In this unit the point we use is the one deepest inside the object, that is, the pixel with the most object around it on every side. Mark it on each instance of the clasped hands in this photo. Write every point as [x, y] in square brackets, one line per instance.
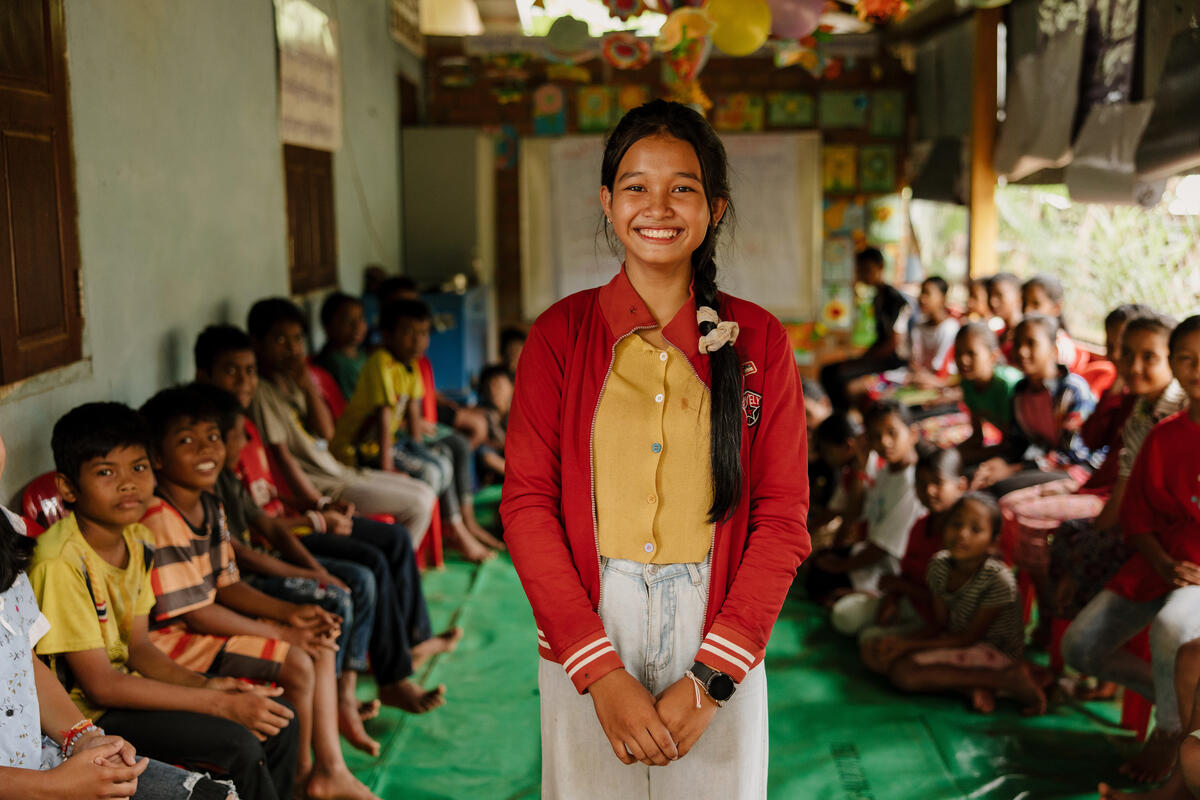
[652, 730]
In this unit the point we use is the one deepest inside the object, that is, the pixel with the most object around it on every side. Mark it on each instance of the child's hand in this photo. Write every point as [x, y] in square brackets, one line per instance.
[126, 755]
[627, 714]
[314, 618]
[676, 706]
[92, 775]
[327, 577]
[1180, 573]
[338, 522]
[313, 642]
[255, 710]
[992, 471]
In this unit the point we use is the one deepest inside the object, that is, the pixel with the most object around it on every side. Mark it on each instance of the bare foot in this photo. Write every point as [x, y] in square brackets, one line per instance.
[444, 642]
[368, 709]
[484, 535]
[407, 695]
[1156, 760]
[350, 725]
[1168, 791]
[336, 783]
[458, 537]
[1101, 690]
[983, 700]
[1025, 690]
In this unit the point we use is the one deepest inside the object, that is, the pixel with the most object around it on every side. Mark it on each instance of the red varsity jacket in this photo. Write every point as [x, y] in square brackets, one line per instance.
[548, 505]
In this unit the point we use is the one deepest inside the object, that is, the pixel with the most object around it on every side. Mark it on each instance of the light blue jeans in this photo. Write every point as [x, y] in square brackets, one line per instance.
[159, 781]
[1094, 644]
[654, 617]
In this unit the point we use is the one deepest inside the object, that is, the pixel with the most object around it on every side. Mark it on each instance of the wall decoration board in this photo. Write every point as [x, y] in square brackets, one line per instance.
[774, 176]
[839, 168]
[791, 110]
[630, 96]
[840, 109]
[884, 219]
[549, 111]
[845, 216]
[877, 168]
[596, 107]
[888, 118]
[837, 259]
[741, 111]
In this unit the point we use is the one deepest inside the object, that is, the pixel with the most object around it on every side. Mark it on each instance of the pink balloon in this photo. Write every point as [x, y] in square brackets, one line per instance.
[795, 19]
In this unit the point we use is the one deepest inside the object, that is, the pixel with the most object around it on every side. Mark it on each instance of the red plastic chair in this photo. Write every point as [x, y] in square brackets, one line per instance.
[1099, 374]
[32, 528]
[329, 389]
[41, 502]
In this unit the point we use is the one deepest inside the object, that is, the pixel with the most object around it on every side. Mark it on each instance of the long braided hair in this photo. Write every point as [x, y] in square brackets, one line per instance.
[658, 118]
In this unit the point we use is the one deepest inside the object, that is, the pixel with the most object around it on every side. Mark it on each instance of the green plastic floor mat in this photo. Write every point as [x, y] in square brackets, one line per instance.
[837, 732]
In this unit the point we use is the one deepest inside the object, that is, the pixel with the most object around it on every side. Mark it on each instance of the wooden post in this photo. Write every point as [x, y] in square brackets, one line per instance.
[982, 239]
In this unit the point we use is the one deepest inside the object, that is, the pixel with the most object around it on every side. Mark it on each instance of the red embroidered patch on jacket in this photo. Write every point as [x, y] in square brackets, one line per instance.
[752, 405]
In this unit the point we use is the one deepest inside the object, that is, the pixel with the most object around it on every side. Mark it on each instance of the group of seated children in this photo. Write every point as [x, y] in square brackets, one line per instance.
[1093, 500]
[218, 584]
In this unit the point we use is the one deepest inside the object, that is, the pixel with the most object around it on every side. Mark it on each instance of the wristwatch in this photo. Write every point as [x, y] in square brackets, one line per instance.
[718, 685]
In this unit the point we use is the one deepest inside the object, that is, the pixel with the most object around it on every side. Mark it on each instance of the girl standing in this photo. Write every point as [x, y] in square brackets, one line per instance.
[655, 494]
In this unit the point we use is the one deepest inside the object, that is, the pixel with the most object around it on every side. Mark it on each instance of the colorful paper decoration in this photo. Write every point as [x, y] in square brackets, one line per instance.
[741, 26]
[568, 72]
[790, 109]
[887, 113]
[844, 109]
[795, 19]
[839, 168]
[549, 111]
[881, 12]
[837, 260]
[594, 107]
[877, 168]
[839, 300]
[740, 111]
[630, 96]
[885, 224]
[623, 50]
[685, 52]
[506, 139]
[845, 216]
[624, 9]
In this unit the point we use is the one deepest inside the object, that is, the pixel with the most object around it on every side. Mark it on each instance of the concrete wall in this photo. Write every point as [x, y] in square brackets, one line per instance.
[179, 179]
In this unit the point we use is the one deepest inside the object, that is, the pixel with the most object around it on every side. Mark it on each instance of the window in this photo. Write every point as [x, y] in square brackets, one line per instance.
[40, 318]
[312, 240]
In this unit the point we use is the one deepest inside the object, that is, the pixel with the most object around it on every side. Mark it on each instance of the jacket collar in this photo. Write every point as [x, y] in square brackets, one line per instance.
[624, 311]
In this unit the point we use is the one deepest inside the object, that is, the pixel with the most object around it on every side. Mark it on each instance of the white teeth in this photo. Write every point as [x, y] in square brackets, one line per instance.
[659, 233]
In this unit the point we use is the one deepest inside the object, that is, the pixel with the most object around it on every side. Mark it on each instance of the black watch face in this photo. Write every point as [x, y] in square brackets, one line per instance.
[720, 687]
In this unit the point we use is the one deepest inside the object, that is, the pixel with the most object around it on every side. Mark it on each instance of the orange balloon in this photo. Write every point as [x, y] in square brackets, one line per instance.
[740, 26]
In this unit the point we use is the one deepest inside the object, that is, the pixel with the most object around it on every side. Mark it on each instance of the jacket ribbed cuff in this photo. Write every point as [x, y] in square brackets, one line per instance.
[587, 661]
[728, 651]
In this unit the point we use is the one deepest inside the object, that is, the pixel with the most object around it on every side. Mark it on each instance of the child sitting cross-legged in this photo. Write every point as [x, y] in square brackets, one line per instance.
[92, 577]
[976, 642]
[383, 427]
[890, 508]
[207, 618]
[905, 606]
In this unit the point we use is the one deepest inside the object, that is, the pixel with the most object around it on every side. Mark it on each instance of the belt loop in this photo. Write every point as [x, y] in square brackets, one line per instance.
[694, 571]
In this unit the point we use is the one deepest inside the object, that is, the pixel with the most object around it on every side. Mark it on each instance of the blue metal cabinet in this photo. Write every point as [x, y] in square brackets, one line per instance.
[458, 345]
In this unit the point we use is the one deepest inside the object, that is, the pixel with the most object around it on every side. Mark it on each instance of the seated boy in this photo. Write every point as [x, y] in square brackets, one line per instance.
[1004, 300]
[987, 387]
[292, 417]
[402, 638]
[345, 327]
[207, 618]
[383, 426]
[932, 337]
[92, 578]
[495, 400]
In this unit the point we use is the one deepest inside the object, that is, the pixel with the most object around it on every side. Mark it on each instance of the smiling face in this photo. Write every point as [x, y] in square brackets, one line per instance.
[1145, 364]
[975, 359]
[191, 453]
[938, 492]
[1004, 298]
[1034, 300]
[112, 490]
[1185, 363]
[235, 371]
[1037, 355]
[657, 205]
[968, 533]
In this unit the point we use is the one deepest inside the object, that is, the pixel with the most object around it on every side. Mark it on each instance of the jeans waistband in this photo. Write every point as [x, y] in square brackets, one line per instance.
[695, 571]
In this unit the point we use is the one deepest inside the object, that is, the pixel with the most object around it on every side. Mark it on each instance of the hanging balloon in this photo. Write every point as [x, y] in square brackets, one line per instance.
[795, 19]
[624, 9]
[623, 50]
[740, 26]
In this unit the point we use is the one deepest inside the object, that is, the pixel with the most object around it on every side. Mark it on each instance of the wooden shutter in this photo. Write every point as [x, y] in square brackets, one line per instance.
[312, 240]
[40, 321]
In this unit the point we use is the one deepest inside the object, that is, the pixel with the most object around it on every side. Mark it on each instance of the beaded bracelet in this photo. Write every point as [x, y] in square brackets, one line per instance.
[71, 737]
[318, 521]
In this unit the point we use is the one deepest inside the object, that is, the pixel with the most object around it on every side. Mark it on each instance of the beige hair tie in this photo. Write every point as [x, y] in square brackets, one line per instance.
[724, 333]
